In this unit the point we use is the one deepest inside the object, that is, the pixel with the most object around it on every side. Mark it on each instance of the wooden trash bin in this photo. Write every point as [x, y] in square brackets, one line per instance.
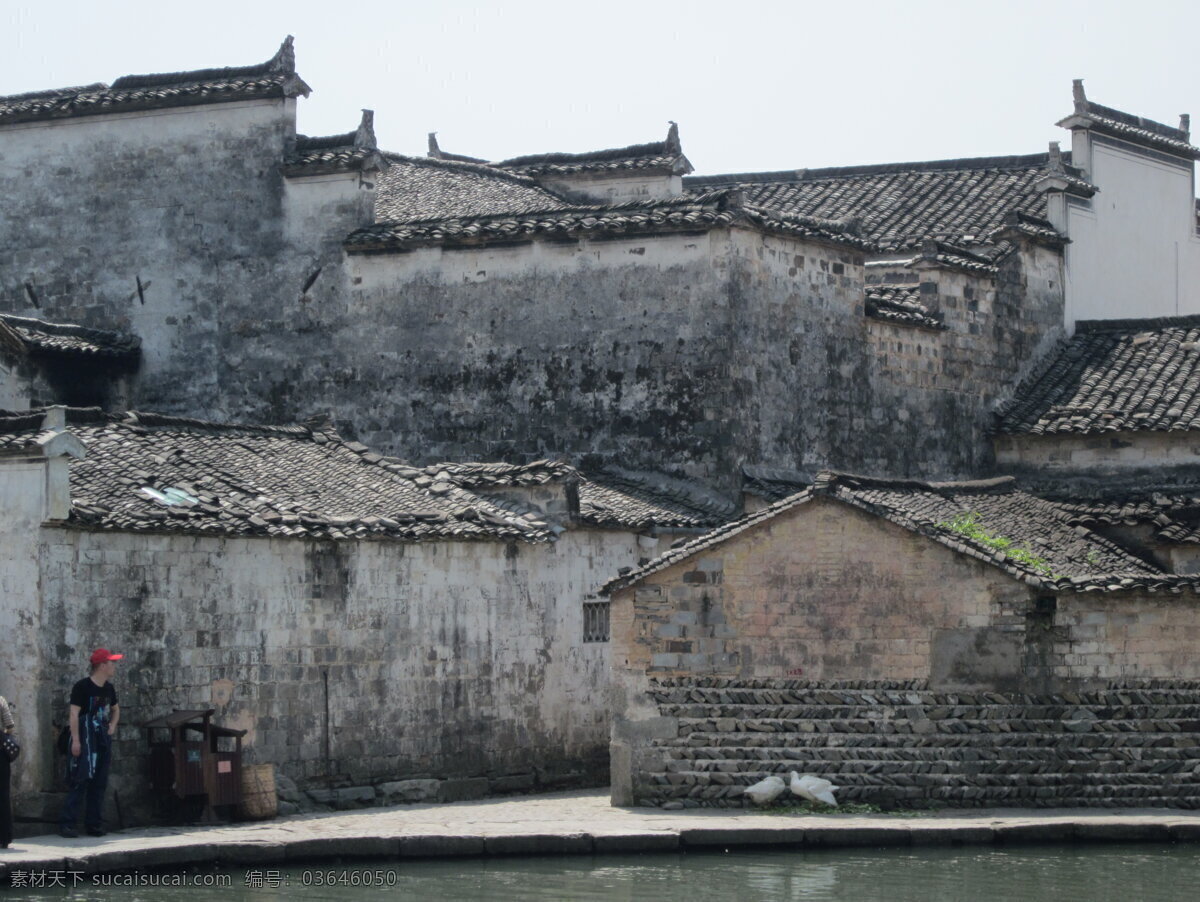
[192, 757]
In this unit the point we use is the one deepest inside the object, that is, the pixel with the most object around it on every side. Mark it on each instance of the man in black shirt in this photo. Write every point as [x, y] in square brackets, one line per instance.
[92, 719]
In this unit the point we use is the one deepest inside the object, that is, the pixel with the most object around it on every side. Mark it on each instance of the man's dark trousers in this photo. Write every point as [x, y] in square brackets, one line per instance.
[92, 790]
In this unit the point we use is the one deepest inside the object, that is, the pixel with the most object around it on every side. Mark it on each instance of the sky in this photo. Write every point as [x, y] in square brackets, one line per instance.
[754, 85]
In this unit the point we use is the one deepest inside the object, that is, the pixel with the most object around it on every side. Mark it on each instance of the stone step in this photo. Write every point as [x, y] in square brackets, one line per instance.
[694, 711]
[773, 696]
[981, 741]
[1163, 783]
[915, 798]
[963, 768]
[688, 725]
[928, 754]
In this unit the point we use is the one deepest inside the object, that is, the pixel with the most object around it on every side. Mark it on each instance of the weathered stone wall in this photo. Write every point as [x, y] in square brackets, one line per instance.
[1109, 452]
[149, 222]
[899, 745]
[350, 664]
[696, 352]
[823, 385]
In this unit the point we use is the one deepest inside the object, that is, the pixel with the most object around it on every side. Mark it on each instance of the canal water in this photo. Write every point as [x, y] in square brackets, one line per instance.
[1088, 873]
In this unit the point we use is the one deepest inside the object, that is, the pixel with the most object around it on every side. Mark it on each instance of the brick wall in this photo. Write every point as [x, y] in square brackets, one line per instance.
[1113, 636]
[827, 592]
[899, 745]
[830, 641]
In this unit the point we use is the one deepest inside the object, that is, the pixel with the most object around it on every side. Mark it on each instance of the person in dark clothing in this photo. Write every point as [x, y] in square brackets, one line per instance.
[92, 718]
[6, 822]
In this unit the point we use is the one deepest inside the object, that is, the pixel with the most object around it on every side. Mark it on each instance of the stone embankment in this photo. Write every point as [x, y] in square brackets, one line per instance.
[563, 823]
[900, 745]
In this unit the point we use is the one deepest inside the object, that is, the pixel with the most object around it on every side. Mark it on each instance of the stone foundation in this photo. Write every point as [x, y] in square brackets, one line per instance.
[897, 744]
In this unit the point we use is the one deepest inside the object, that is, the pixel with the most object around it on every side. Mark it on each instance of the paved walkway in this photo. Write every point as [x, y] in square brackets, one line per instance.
[569, 822]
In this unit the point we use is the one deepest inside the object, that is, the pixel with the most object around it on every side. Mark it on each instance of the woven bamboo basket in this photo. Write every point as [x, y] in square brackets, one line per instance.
[258, 792]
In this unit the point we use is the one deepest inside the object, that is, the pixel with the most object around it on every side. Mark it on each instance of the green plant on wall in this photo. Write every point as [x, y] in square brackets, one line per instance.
[967, 525]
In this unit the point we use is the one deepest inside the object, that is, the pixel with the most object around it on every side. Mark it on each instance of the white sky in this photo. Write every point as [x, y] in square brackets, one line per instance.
[753, 84]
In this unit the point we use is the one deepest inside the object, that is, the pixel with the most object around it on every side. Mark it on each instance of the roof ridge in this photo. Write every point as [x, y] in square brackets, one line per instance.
[323, 142]
[683, 200]
[283, 62]
[1151, 125]
[487, 169]
[1025, 161]
[828, 479]
[654, 148]
[48, 93]
[1150, 324]
[73, 329]
[27, 420]
[148, 418]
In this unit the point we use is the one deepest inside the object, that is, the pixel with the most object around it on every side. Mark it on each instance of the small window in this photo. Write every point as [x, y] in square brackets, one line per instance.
[595, 621]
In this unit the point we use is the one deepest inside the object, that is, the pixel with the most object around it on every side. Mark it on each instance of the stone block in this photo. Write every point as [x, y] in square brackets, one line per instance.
[513, 783]
[612, 843]
[440, 846]
[708, 837]
[539, 844]
[250, 852]
[1123, 831]
[400, 791]
[457, 790]
[343, 847]
[1050, 831]
[837, 837]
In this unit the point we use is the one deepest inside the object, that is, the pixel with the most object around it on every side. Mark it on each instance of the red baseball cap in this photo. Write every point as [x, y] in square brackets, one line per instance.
[100, 655]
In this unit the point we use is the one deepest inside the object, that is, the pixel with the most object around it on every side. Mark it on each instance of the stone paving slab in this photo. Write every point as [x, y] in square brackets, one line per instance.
[571, 823]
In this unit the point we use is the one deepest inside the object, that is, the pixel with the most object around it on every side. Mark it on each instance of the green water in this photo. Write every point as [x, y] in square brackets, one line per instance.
[1122, 873]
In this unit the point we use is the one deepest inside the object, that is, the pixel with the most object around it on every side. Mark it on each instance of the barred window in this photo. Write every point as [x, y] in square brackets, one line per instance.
[595, 621]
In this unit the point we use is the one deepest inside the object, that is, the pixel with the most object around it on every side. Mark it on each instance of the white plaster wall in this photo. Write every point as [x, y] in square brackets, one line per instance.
[333, 204]
[393, 272]
[14, 389]
[22, 509]
[617, 190]
[1134, 253]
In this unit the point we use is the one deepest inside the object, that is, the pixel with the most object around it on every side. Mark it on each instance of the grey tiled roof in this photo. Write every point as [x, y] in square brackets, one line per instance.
[686, 213]
[40, 337]
[274, 78]
[621, 499]
[322, 160]
[502, 475]
[1170, 508]
[420, 188]
[146, 472]
[352, 151]
[773, 484]
[613, 499]
[900, 305]
[1114, 375]
[661, 156]
[1074, 557]
[900, 205]
[1137, 129]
